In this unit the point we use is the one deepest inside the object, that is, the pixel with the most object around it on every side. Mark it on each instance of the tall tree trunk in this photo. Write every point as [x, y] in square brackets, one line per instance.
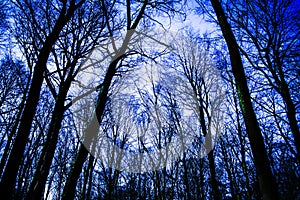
[241, 140]
[267, 182]
[85, 194]
[291, 114]
[90, 182]
[12, 133]
[211, 160]
[38, 183]
[93, 128]
[70, 186]
[9, 177]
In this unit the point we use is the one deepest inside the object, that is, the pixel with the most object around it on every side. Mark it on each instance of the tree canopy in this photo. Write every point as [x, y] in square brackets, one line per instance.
[144, 99]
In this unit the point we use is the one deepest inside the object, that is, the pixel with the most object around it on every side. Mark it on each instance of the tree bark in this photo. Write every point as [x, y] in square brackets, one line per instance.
[291, 115]
[267, 182]
[38, 183]
[9, 177]
[11, 134]
[93, 127]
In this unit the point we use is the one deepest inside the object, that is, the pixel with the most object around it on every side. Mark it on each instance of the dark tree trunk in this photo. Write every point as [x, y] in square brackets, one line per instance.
[9, 177]
[16, 155]
[11, 135]
[291, 114]
[211, 161]
[267, 182]
[93, 128]
[85, 194]
[38, 183]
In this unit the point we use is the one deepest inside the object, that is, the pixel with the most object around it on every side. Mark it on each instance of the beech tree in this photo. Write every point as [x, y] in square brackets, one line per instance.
[88, 21]
[149, 99]
[272, 29]
[266, 179]
[132, 23]
[47, 40]
[203, 80]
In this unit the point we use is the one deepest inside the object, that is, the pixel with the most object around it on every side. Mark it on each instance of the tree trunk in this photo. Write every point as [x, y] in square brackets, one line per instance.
[93, 128]
[211, 161]
[10, 174]
[11, 135]
[267, 182]
[87, 183]
[291, 114]
[38, 183]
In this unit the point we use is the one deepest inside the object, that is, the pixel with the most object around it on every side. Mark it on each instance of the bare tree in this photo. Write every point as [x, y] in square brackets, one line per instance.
[134, 17]
[47, 39]
[202, 87]
[266, 179]
[14, 84]
[270, 41]
[88, 21]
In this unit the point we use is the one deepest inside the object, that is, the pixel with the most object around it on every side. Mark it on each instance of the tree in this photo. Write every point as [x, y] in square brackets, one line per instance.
[47, 40]
[14, 83]
[69, 189]
[133, 21]
[266, 179]
[87, 21]
[272, 29]
[203, 86]
[128, 106]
